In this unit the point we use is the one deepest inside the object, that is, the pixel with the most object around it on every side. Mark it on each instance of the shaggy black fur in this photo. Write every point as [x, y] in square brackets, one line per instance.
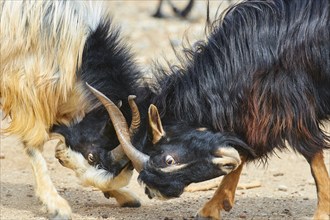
[263, 74]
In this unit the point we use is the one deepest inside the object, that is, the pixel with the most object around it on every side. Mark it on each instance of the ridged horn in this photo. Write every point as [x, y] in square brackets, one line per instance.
[136, 120]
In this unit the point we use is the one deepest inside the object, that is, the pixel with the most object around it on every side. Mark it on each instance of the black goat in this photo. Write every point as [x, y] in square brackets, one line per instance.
[49, 50]
[262, 78]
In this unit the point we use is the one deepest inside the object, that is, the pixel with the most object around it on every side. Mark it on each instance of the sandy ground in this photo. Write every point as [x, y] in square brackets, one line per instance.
[287, 188]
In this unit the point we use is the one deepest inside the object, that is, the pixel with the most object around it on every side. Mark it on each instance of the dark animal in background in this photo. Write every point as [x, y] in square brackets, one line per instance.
[49, 50]
[260, 81]
[180, 13]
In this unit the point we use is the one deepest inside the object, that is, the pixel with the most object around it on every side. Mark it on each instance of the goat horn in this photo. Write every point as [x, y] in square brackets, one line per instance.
[118, 152]
[136, 120]
[138, 158]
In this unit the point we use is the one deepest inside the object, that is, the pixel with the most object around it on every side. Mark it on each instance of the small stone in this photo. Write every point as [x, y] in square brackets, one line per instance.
[311, 182]
[2, 156]
[105, 216]
[242, 216]
[287, 212]
[278, 174]
[282, 188]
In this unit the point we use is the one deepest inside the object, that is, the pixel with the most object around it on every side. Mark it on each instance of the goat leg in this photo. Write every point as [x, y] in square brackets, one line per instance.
[223, 198]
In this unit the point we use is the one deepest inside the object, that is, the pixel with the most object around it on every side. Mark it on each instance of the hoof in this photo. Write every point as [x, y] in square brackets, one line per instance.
[158, 15]
[133, 204]
[227, 206]
[212, 214]
[57, 208]
[57, 216]
[106, 195]
[60, 217]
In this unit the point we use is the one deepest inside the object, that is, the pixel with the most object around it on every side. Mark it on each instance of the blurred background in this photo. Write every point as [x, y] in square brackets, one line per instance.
[283, 189]
[151, 37]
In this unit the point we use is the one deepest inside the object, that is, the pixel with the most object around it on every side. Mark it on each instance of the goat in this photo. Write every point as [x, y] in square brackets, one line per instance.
[180, 13]
[260, 81]
[49, 49]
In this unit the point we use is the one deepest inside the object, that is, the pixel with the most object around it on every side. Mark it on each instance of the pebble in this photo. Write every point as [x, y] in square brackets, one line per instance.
[9, 195]
[282, 188]
[240, 192]
[311, 182]
[105, 216]
[287, 212]
[242, 216]
[278, 174]
[2, 156]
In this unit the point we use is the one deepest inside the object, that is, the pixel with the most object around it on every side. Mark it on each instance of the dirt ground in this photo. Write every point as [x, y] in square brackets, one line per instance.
[287, 188]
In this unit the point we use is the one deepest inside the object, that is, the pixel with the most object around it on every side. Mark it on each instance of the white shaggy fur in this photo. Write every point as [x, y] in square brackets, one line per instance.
[41, 46]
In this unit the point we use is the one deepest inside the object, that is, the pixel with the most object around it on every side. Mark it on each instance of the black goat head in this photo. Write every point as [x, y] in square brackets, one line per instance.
[175, 155]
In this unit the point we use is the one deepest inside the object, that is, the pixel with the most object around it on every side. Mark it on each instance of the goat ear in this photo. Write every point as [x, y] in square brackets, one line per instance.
[155, 124]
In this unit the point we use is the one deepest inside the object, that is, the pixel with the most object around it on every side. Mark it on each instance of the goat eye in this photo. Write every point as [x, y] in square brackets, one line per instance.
[90, 158]
[169, 160]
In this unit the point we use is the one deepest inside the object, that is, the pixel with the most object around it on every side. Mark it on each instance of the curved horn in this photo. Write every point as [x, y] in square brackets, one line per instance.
[118, 152]
[138, 158]
[136, 120]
